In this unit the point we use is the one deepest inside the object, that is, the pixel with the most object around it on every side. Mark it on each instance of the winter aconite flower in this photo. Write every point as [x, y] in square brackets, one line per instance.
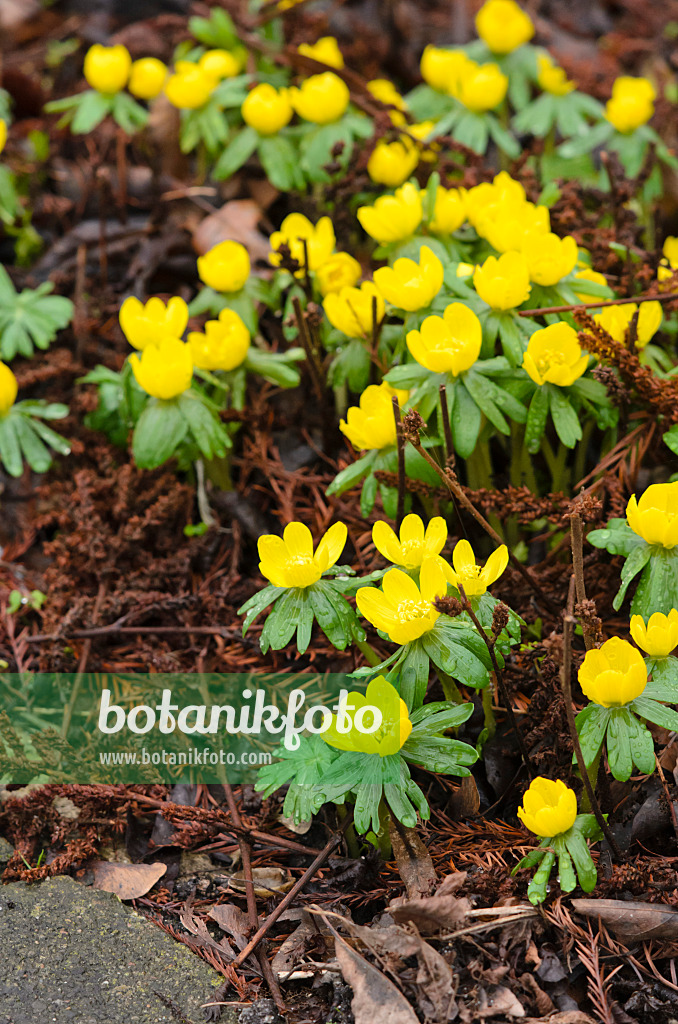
[449, 210]
[449, 343]
[549, 258]
[148, 324]
[666, 268]
[8, 389]
[225, 267]
[549, 807]
[587, 274]
[475, 579]
[503, 283]
[613, 674]
[551, 78]
[219, 64]
[355, 311]
[441, 69]
[326, 50]
[147, 78]
[321, 98]
[190, 86]
[391, 163]
[390, 735]
[371, 424]
[414, 545]
[401, 609]
[506, 225]
[655, 516]
[164, 370]
[267, 109]
[107, 68]
[341, 270]
[632, 103]
[481, 87]
[385, 91]
[660, 636]
[223, 345]
[503, 25]
[3, 135]
[304, 240]
[554, 356]
[409, 285]
[290, 561]
[616, 320]
[393, 218]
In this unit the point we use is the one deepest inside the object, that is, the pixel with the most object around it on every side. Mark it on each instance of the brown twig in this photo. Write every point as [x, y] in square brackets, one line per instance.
[597, 305]
[400, 442]
[82, 665]
[447, 428]
[577, 545]
[305, 338]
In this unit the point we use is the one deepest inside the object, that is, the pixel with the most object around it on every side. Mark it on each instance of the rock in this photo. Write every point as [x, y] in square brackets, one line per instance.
[6, 851]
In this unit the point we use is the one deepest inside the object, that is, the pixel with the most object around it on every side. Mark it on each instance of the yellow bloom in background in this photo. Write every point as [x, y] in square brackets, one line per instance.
[147, 78]
[475, 579]
[660, 636]
[503, 283]
[401, 609]
[225, 267]
[613, 674]
[164, 369]
[503, 25]
[325, 50]
[107, 68]
[321, 98]
[506, 225]
[549, 807]
[549, 258]
[296, 230]
[393, 218]
[554, 356]
[148, 324]
[409, 285]
[371, 424]
[551, 78]
[587, 274]
[631, 104]
[267, 109]
[482, 87]
[616, 320]
[466, 269]
[414, 544]
[223, 345]
[655, 516]
[219, 64]
[385, 91]
[449, 210]
[8, 389]
[449, 343]
[667, 265]
[391, 163]
[290, 561]
[3, 135]
[395, 721]
[352, 310]
[503, 192]
[341, 270]
[190, 86]
[441, 69]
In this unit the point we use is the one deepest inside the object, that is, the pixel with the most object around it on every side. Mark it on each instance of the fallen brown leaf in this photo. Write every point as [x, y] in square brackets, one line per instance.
[634, 921]
[238, 221]
[441, 912]
[127, 881]
[232, 920]
[376, 1000]
[499, 1002]
[413, 860]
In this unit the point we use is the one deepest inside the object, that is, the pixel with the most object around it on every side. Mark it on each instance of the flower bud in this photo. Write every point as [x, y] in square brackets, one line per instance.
[267, 109]
[147, 78]
[107, 68]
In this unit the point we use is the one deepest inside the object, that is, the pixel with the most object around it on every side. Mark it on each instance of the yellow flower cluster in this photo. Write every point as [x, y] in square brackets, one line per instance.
[479, 87]
[631, 104]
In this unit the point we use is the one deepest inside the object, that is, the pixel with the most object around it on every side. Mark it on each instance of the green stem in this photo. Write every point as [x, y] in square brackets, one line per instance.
[352, 843]
[450, 688]
[488, 711]
[368, 652]
[580, 452]
[218, 470]
[592, 772]
[556, 464]
[384, 836]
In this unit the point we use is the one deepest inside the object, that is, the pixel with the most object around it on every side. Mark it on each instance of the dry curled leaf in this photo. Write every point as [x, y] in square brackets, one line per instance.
[441, 912]
[634, 921]
[413, 860]
[127, 881]
[266, 881]
[232, 920]
[376, 1000]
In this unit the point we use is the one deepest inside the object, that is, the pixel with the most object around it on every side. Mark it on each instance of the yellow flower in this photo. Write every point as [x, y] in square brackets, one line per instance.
[297, 229]
[391, 163]
[466, 269]
[224, 344]
[409, 285]
[616, 320]
[655, 516]
[385, 91]
[554, 356]
[107, 68]
[8, 389]
[441, 69]
[341, 270]
[449, 210]
[427, 150]
[391, 734]
[267, 109]
[326, 50]
[148, 324]
[587, 274]
[549, 257]
[401, 609]
[660, 637]
[549, 808]
[147, 78]
[351, 310]
[371, 424]
[219, 64]
[631, 105]
[393, 218]
[613, 674]
[503, 192]
[321, 98]
[414, 545]
[503, 26]
[225, 267]
[482, 87]
[164, 369]
[506, 224]
[475, 579]
[3, 135]
[551, 78]
[190, 86]
[503, 283]
[667, 266]
[449, 343]
[289, 561]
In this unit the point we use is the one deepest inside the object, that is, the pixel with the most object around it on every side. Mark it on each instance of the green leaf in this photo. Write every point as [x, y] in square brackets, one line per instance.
[617, 537]
[238, 151]
[536, 890]
[592, 726]
[670, 438]
[566, 876]
[129, 114]
[579, 852]
[472, 131]
[565, 419]
[503, 138]
[351, 475]
[664, 682]
[280, 160]
[658, 587]
[207, 431]
[31, 317]
[438, 716]
[34, 451]
[159, 431]
[590, 140]
[283, 620]
[484, 394]
[90, 111]
[466, 420]
[368, 495]
[335, 615]
[10, 449]
[655, 712]
[257, 603]
[619, 746]
[50, 437]
[536, 420]
[641, 742]
[412, 678]
[536, 118]
[636, 561]
[512, 337]
[273, 366]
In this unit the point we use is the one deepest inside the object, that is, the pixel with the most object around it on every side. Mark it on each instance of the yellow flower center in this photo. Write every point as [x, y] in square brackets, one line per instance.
[411, 551]
[408, 610]
[549, 359]
[470, 573]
